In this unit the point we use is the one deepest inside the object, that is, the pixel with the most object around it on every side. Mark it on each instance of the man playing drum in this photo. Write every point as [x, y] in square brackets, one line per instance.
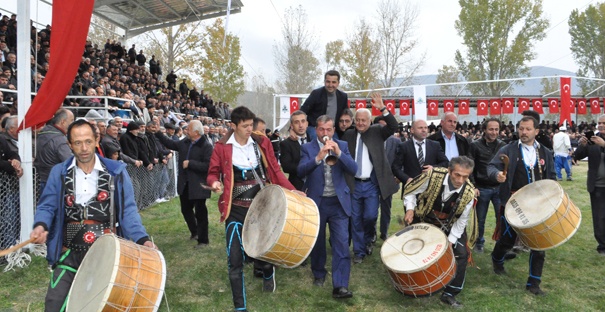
[81, 187]
[243, 161]
[529, 162]
[444, 197]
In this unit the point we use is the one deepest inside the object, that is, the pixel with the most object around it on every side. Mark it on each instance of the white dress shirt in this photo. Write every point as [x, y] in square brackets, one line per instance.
[243, 155]
[367, 164]
[86, 184]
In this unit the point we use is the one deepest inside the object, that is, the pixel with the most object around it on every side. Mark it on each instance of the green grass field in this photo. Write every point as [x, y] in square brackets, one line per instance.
[197, 278]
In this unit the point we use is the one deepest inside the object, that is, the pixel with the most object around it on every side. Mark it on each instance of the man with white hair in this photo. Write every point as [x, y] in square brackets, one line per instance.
[562, 149]
[373, 178]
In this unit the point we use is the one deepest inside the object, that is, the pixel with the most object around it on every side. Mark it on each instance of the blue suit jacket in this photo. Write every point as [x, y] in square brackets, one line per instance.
[315, 182]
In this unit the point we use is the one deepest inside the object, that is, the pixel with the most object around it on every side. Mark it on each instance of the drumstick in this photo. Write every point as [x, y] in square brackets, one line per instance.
[15, 248]
[504, 160]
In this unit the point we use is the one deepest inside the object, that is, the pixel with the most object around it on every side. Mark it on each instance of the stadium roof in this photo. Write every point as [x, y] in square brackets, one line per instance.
[139, 16]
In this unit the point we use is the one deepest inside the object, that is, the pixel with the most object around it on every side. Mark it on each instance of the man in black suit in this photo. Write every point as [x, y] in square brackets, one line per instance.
[410, 162]
[452, 143]
[593, 149]
[327, 100]
[373, 178]
[290, 147]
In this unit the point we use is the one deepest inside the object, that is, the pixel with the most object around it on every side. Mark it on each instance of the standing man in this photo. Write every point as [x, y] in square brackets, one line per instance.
[240, 164]
[449, 209]
[327, 100]
[80, 187]
[452, 143]
[528, 162]
[562, 149]
[290, 148]
[373, 178]
[595, 182]
[325, 184]
[52, 147]
[194, 161]
[482, 151]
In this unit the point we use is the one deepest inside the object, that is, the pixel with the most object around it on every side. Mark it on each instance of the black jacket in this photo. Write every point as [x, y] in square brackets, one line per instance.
[289, 159]
[406, 164]
[317, 104]
[482, 153]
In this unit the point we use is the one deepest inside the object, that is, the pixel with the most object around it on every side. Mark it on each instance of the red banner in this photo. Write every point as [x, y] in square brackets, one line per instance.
[70, 20]
[481, 107]
[360, 104]
[572, 105]
[448, 106]
[294, 105]
[595, 108]
[495, 107]
[536, 105]
[433, 107]
[581, 106]
[349, 103]
[508, 105]
[376, 111]
[390, 104]
[404, 107]
[463, 107]
[523, 105]
[565, 99]
[553, 106]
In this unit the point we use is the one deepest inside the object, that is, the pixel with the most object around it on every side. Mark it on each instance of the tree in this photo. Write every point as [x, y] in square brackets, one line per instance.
[222, 74]
[177, 47]
[448, 74]
[100, 30]
[499, 36]
[587, 31]
[397, 42]
[297, 66]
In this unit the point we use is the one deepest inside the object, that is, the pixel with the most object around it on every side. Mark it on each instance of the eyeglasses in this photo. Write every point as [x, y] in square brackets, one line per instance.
[345, 121]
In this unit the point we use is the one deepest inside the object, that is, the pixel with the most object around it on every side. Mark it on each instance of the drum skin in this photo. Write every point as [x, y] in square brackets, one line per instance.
[419, 260]
[542, 215]
[118, 275]
[281, 227]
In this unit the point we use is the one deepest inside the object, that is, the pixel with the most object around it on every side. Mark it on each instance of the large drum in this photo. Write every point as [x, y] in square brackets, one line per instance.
[542, 215]
[419, 260]
[281, 227]
[118, 275]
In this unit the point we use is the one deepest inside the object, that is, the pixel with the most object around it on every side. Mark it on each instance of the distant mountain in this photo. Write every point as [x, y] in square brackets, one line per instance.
[528, 87]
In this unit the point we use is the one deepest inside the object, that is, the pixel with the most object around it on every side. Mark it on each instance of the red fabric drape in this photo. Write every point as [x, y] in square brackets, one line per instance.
[463, 106]
[565, 100]
[294, 105]
[595, 107]
[70, 22]
[523, 105]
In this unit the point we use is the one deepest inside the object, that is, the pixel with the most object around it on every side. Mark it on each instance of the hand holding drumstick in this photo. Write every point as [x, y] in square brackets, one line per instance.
[502, 174]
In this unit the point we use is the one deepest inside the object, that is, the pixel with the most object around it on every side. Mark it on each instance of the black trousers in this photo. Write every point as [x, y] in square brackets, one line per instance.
[597, 205]
[235, 260]
[195, 213]
[61, 279]
[506, 243]
[461, 255]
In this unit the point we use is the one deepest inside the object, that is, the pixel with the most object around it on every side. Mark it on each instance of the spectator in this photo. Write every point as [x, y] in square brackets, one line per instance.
[110, 142]
[562, 150]
[52, 147]
[452, 143]
[141, 59]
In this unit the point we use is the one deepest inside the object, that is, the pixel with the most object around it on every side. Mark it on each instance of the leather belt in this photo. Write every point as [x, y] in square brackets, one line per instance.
[362, 179]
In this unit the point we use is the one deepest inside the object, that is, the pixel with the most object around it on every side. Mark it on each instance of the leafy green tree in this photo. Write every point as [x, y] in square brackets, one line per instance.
[499, 36]
[587, 31]
[100, 30]
[297, 66]
[448, 74]
[222, 74]
[362, 58]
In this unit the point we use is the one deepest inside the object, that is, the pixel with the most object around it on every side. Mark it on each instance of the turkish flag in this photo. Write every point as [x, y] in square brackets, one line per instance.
[390, 104]
[572, 105]
[463, 107]
[595, 108]
[349, 103]
[581, 106]
[536, 104]
[523, 105]
[565, 98]
[433, 107]
[448, 106]
[494, 107]
[294, 105]
[553, 106]
[508, 105]
[360, 104]
[404, 107]
[481, 107]
[70, 20]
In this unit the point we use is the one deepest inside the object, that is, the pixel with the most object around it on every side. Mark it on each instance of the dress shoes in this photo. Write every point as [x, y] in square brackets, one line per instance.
[451, 301]
[510, 255]
[383, 237]
[535, 290]
[498, 268]
[341, 293]
[319, 281]
[193, 237]
[357, 260]
[200, 246]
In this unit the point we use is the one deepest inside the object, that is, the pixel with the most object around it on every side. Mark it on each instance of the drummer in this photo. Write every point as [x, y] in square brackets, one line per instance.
[444, 197]
[80, 185]
[528, 162]
[241, 163]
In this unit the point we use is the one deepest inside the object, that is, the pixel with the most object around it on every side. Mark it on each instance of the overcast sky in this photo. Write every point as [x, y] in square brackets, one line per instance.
[259, 28]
